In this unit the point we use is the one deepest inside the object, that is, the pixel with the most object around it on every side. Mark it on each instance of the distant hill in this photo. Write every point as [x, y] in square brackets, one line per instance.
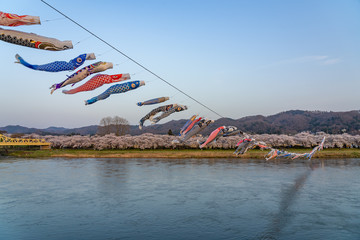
[50, 130]
[295, 121]
[289, 122]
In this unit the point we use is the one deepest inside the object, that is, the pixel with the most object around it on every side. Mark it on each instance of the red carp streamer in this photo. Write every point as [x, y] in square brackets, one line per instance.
[97, 81]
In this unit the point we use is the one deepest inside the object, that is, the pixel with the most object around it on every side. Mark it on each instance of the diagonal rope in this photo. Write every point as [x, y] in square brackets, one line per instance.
[137, 63]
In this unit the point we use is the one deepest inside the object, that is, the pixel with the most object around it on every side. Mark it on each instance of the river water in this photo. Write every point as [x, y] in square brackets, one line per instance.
[179, 199]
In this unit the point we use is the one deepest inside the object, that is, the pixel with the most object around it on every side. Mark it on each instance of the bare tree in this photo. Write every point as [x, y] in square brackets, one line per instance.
[105, 126]
[118, 125]
[121, 126]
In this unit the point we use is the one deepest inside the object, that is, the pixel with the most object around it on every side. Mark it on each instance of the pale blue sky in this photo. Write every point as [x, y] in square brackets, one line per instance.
[238, 57]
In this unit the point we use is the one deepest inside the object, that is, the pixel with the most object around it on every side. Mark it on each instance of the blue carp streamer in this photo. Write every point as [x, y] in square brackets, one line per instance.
[118, 88]
[58, 66]
[153, 101]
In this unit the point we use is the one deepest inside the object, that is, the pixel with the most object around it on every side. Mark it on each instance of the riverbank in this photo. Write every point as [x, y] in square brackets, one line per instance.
[172, 153]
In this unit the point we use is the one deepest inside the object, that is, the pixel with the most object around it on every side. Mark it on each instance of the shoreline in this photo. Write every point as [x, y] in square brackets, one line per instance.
[172, 153]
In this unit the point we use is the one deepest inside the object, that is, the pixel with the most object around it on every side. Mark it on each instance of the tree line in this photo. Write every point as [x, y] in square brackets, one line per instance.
[156, 141]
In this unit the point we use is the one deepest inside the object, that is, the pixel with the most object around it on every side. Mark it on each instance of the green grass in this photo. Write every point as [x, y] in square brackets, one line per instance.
[171, 153]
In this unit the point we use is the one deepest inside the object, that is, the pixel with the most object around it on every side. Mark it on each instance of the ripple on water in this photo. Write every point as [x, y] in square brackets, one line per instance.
[179, 199]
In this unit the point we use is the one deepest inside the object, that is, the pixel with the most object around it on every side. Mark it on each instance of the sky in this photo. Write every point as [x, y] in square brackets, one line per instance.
[238, 57]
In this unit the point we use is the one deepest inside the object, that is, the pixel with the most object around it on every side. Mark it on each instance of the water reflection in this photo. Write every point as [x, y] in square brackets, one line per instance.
[179, 199]
[287, 197]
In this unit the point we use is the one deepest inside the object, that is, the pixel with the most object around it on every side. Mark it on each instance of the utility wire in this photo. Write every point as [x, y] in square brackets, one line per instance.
[137, 63]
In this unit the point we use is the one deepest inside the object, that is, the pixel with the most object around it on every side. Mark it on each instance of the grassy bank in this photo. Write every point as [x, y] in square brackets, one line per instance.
[171, 153]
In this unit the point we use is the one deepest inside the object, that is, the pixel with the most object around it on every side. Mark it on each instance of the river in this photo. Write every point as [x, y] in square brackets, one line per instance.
[91, 198]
